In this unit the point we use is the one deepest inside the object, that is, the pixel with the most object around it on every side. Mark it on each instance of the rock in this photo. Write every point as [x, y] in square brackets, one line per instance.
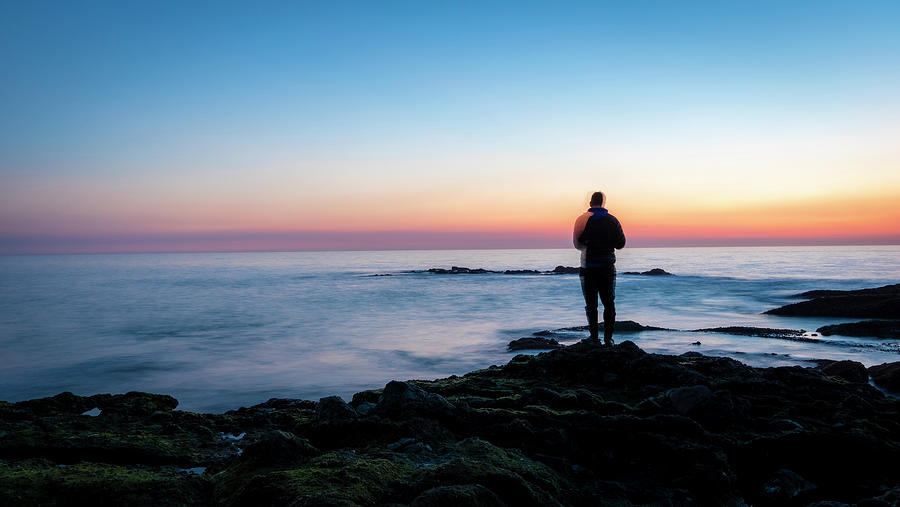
[581, 425]
[887, 376]
[762, 332]
[686, 399]
[521, 272]
[873, 328]
[534, 342]
[851, 371]
[566, 270]
[458, 270]
[279, 447]
[784, 486]
[622, 326]
[468, 495]
[652, 272]
[885, 290]
[334, 409]
[881, 302]
[402, 398]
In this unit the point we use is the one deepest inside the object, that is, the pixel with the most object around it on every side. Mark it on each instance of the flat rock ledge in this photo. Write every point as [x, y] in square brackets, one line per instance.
[583, 425]
[877, 303]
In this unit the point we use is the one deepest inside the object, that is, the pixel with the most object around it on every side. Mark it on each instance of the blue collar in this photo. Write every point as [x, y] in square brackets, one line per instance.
[598, 211]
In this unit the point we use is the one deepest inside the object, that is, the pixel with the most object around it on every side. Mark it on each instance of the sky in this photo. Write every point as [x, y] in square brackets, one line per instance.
[203, 126]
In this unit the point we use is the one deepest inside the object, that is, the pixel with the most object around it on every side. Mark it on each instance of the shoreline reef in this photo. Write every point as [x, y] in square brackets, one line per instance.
[583, 425]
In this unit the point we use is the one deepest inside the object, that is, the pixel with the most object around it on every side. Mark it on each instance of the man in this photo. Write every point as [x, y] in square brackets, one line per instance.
[597, 234]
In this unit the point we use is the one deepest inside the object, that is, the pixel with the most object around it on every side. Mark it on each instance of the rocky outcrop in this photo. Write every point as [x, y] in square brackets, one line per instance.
[880, 302]
[851, 371]
[622, 326]
[867, 328]
[652, 272]
[762, 332]
[887, 376]
[534, 343]
[583, 425]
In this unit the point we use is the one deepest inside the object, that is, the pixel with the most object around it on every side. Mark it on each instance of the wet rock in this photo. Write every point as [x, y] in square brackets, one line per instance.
[882, 302]
[279, 447]
[581, 425]
[534, 342]
[887, 376]
[459, 270]
[784, 486]
[522, 272]
[334, 409]
[403, 398]
[851, 371]
[566, 270]
[468, 495]
[867, 328]
[762, 332]
[686, 399]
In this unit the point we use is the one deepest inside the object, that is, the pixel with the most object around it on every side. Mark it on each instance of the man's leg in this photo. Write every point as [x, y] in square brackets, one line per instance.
[607, 291]
[589, 291]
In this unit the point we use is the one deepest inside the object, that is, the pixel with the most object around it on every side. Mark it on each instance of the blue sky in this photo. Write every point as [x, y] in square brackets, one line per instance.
[117, 111]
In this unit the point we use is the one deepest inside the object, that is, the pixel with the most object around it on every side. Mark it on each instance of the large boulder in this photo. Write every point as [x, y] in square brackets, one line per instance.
[334, 409]
[887, 376]
[400, 399]
[851, 371]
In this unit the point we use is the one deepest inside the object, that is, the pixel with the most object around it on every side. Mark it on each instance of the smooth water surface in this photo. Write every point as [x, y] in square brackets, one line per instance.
[223, 330]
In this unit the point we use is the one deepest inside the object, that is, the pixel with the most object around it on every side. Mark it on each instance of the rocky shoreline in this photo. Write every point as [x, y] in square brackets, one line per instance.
[583, 425]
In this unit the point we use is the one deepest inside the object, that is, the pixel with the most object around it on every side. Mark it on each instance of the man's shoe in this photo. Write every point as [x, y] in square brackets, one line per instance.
[608, 342]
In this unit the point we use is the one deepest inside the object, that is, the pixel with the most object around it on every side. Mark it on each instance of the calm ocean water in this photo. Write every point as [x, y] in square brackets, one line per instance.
[223, 330]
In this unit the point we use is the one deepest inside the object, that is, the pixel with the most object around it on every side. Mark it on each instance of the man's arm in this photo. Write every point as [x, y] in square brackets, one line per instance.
[580, 224]
[620, 236]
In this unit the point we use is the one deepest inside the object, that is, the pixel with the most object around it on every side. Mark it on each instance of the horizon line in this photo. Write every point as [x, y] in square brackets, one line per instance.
[242, 242]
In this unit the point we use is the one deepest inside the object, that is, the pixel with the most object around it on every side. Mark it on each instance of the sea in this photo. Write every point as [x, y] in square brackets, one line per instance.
[220, 331]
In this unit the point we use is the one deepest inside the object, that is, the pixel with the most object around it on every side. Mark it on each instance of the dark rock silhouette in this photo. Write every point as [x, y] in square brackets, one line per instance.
[851, 371]
[881, 302]
[887, 376]
[652, 272]
[762, 332]
[872, 328]
[534, 342]
[622, 326]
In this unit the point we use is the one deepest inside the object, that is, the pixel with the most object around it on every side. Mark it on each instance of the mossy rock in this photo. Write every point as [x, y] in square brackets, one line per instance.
[40, 482]
[338, 478]
[512, 477]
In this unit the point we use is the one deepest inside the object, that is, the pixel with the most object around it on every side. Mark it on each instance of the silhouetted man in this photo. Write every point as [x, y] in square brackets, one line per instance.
[597, 234]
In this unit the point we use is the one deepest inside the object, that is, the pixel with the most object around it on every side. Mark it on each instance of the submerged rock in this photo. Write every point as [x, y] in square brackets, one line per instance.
[762, 332]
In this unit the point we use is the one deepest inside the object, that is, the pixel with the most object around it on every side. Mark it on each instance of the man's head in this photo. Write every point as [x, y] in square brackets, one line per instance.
[598, 199]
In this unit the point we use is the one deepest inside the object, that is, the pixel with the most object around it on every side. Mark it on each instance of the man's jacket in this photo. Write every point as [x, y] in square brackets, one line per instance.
[597, 234]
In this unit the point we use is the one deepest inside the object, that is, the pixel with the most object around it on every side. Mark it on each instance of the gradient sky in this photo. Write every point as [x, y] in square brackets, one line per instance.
[172, 126]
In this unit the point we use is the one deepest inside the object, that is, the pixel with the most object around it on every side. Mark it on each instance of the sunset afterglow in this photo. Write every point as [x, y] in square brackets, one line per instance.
[337, 125]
